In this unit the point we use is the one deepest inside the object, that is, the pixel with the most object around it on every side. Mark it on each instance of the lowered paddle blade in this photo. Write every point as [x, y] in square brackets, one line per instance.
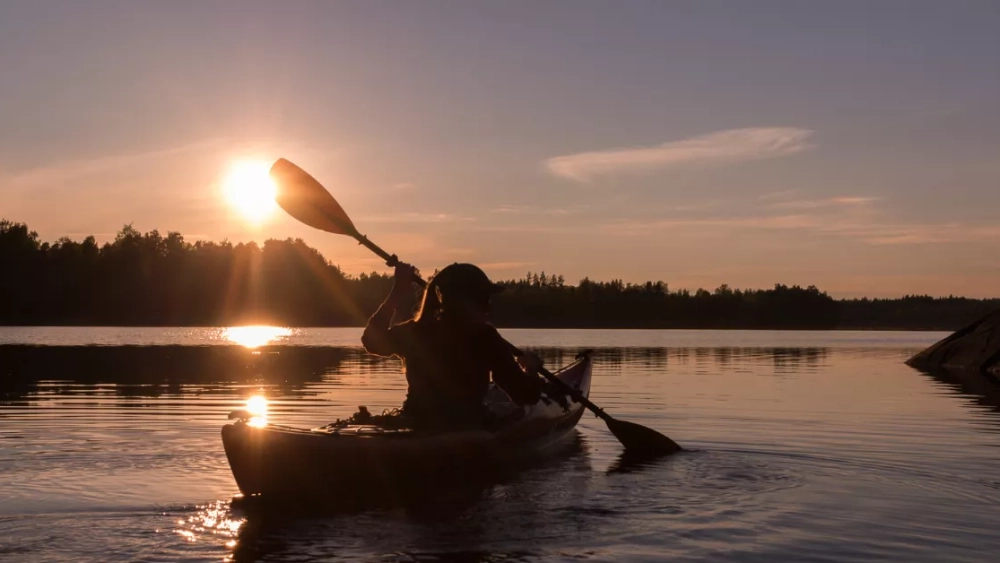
[640, 440]
[307, 200]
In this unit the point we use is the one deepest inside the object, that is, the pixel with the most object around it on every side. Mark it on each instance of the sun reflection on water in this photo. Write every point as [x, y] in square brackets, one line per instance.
[211, 520]
[255, 336]
[257, 406]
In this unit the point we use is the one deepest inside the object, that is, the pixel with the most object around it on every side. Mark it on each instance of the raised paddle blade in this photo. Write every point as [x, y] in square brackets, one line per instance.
[640, 440]
[307, 200]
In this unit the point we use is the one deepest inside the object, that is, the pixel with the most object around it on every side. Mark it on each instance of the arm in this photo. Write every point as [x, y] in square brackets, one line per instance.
[524, 388]
[378, 337]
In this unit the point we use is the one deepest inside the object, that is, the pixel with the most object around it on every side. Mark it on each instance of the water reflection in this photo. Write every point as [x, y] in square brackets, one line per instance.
[256, 336]
[257, 407]
[784, 360]
[627, 462]
[154, 371]
[459, 520]
[983, 387]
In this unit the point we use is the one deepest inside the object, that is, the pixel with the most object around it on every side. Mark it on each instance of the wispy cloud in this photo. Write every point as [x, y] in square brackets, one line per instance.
[532, 210]
[779, 194]
[848, 201]
[873, 231]
[721, 147]
[538, 228]
[416, 217]
[917, 233]
[506, 266]
[73, 170]
[854, 217]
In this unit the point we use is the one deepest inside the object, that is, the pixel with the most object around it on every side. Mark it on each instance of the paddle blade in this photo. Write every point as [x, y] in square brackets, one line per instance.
[307, 200]
[640, 440]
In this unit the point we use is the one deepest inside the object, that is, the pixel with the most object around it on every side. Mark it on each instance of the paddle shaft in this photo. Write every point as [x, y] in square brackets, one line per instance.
[391, 260]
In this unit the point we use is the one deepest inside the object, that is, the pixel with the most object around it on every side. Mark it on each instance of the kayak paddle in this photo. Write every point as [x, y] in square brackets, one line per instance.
[305, 199]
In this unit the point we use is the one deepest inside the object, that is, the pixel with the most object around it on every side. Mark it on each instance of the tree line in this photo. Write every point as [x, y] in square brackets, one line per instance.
[155, 280]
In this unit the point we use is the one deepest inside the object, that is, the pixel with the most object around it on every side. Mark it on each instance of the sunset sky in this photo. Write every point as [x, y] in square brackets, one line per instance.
[850, 145]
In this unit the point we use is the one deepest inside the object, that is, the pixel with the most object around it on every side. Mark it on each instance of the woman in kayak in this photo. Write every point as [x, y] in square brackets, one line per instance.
[449, 350]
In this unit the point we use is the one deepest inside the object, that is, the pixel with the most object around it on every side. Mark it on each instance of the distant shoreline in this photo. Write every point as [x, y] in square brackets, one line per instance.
[151, 280]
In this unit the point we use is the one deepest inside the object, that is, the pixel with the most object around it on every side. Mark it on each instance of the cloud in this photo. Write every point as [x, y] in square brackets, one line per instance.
[872, 231]
[58, 173]
[779, 194]
[854, 217]
[848, 217]
[706, 224]
[506, 266]
[918, 233]
[722, 147]
[539, 228]
[829, 202]
[532, 210]
[415, 217]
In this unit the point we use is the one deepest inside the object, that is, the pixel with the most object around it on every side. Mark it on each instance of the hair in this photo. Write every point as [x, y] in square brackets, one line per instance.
[430, 305]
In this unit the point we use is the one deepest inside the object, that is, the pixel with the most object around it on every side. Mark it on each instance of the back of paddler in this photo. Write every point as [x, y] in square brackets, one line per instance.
[449, 350]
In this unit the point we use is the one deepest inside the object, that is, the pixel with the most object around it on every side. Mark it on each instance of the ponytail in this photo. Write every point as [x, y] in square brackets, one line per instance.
[430, 305]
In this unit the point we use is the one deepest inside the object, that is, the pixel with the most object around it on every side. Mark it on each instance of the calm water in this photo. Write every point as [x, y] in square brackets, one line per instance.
[804, 446]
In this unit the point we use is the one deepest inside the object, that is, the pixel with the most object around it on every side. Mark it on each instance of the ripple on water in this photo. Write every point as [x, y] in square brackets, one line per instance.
[698, 505]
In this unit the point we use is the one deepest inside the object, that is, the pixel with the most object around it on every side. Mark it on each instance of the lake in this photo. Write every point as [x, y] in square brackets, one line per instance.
[801, 446]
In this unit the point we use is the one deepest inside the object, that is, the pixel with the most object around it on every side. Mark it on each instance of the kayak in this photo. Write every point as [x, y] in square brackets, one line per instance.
[355, 460]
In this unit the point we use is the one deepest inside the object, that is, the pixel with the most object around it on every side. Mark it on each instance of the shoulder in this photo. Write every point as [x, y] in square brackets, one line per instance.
[489, 336]
[486, 330]
[406, 327]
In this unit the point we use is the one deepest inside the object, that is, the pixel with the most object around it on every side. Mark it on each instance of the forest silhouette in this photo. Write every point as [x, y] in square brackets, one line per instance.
[147, 279]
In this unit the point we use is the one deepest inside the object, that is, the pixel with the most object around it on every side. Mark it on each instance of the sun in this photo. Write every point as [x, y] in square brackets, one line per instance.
[249, 189]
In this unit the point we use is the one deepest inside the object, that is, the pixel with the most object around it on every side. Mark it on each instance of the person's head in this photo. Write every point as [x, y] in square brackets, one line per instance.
[461, 291]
